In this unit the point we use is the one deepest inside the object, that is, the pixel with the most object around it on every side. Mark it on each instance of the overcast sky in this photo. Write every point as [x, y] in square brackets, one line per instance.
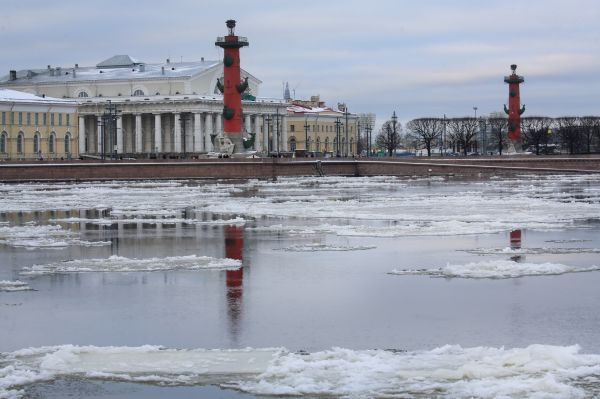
[418, 58]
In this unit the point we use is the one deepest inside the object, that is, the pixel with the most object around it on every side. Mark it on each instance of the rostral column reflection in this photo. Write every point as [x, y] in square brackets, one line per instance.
[234, 247]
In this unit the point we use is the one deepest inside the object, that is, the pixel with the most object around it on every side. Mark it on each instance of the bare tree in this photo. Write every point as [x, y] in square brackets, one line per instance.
[389, 136]
[425, 131]
[569, 130]
[463, 131]
[499, 128]
[535, 131]
[590, 127]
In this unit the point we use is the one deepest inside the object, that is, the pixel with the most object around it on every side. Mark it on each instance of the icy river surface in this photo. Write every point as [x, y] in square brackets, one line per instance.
[376, 287]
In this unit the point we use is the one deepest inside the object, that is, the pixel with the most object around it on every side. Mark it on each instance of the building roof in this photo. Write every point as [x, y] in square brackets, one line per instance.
[7, 95]
[118, 61]
[113, 69]
[306, 110]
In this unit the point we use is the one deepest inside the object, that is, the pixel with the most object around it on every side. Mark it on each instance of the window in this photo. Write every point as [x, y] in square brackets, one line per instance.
[292, 144]
[37, 119]
[3, 142]
[68, 119]
[59, 119]
[36, 143]
[52, 119]
[138, 92]
[12, 118]
[44, 119]
[318, 144]
[29, 118]
[292, 128]
[51, 140]
[20, 143]
[82, 94]
[3, 118]
[68, 143]
[326, 143]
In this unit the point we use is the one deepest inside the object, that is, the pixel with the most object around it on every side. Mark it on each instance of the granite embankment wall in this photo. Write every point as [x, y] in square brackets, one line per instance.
[271, 168]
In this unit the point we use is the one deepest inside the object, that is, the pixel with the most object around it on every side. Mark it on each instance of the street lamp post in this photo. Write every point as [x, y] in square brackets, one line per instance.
[392, 140]
[337, 136]
[306, 149]
[347, 128]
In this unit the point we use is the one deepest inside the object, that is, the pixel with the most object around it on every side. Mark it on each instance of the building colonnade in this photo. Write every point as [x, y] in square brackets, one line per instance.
[175, 130]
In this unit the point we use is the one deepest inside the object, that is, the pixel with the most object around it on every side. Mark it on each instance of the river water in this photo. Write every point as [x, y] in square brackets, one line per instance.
[319, 287]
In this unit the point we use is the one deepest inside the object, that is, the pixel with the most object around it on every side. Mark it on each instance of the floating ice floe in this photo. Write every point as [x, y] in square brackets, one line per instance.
[16, 285]
[532, 251]
[122, 264]
[163, 220]
[497, 269]
[31, 236]
[326, 247]
[541, 371]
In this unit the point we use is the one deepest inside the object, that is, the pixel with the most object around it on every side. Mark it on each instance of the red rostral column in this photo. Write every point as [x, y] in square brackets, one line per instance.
[514, 110]
[232, 86]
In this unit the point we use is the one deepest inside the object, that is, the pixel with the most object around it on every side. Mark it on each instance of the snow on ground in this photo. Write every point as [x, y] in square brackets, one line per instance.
[32, 236]
[496, 269]
[16, 285]
[121, 264]
[540, 371]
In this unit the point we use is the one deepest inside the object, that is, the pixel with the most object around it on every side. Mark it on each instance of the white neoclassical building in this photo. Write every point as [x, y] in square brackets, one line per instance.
[128, 108]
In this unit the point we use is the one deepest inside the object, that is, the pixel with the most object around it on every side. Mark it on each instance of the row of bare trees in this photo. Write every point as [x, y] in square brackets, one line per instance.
[571, 134]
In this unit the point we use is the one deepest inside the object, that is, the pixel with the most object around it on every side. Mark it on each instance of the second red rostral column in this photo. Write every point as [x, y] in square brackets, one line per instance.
[514, 109]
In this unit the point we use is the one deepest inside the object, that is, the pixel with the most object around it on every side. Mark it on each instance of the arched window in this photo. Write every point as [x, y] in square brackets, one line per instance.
[82, 94]
[20, 139]
[68, 143]
[3, 140]
[51, 141]
[326, 144]
[293, 144]
[36, 143]
[138, 92]
[318, 144]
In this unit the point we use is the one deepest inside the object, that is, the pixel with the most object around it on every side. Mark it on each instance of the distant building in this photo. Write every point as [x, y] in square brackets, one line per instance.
[34, 127]
[162, 109]
[315, 129]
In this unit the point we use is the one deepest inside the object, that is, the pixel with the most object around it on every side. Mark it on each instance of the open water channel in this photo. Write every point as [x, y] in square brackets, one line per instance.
[318, 287]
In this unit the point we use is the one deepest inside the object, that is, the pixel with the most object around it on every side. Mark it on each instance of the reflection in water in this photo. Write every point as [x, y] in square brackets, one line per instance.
[515, 243]
[234, 247]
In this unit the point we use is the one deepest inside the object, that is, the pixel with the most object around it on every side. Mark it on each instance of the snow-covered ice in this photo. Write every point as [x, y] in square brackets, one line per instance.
[497, 269]
[32, 236]
[116, 263]
[540, 371]
[14, 285]
[326, 247]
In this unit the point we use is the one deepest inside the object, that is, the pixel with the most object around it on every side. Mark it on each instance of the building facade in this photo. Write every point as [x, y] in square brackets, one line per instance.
[33, 127]
[128, 108]
[317, 130]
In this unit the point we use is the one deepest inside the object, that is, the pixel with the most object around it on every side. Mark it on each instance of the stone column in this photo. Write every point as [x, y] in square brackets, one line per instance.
[81, 134]
[139, 148]
[119, 135]
[208, 130]
[157, 133]
[177, 133]
[266, 132]
[284, 134]
[99, 136]
[219, 120]
[198, 139]
[257, 129]
[248, 124]
[275, 133]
